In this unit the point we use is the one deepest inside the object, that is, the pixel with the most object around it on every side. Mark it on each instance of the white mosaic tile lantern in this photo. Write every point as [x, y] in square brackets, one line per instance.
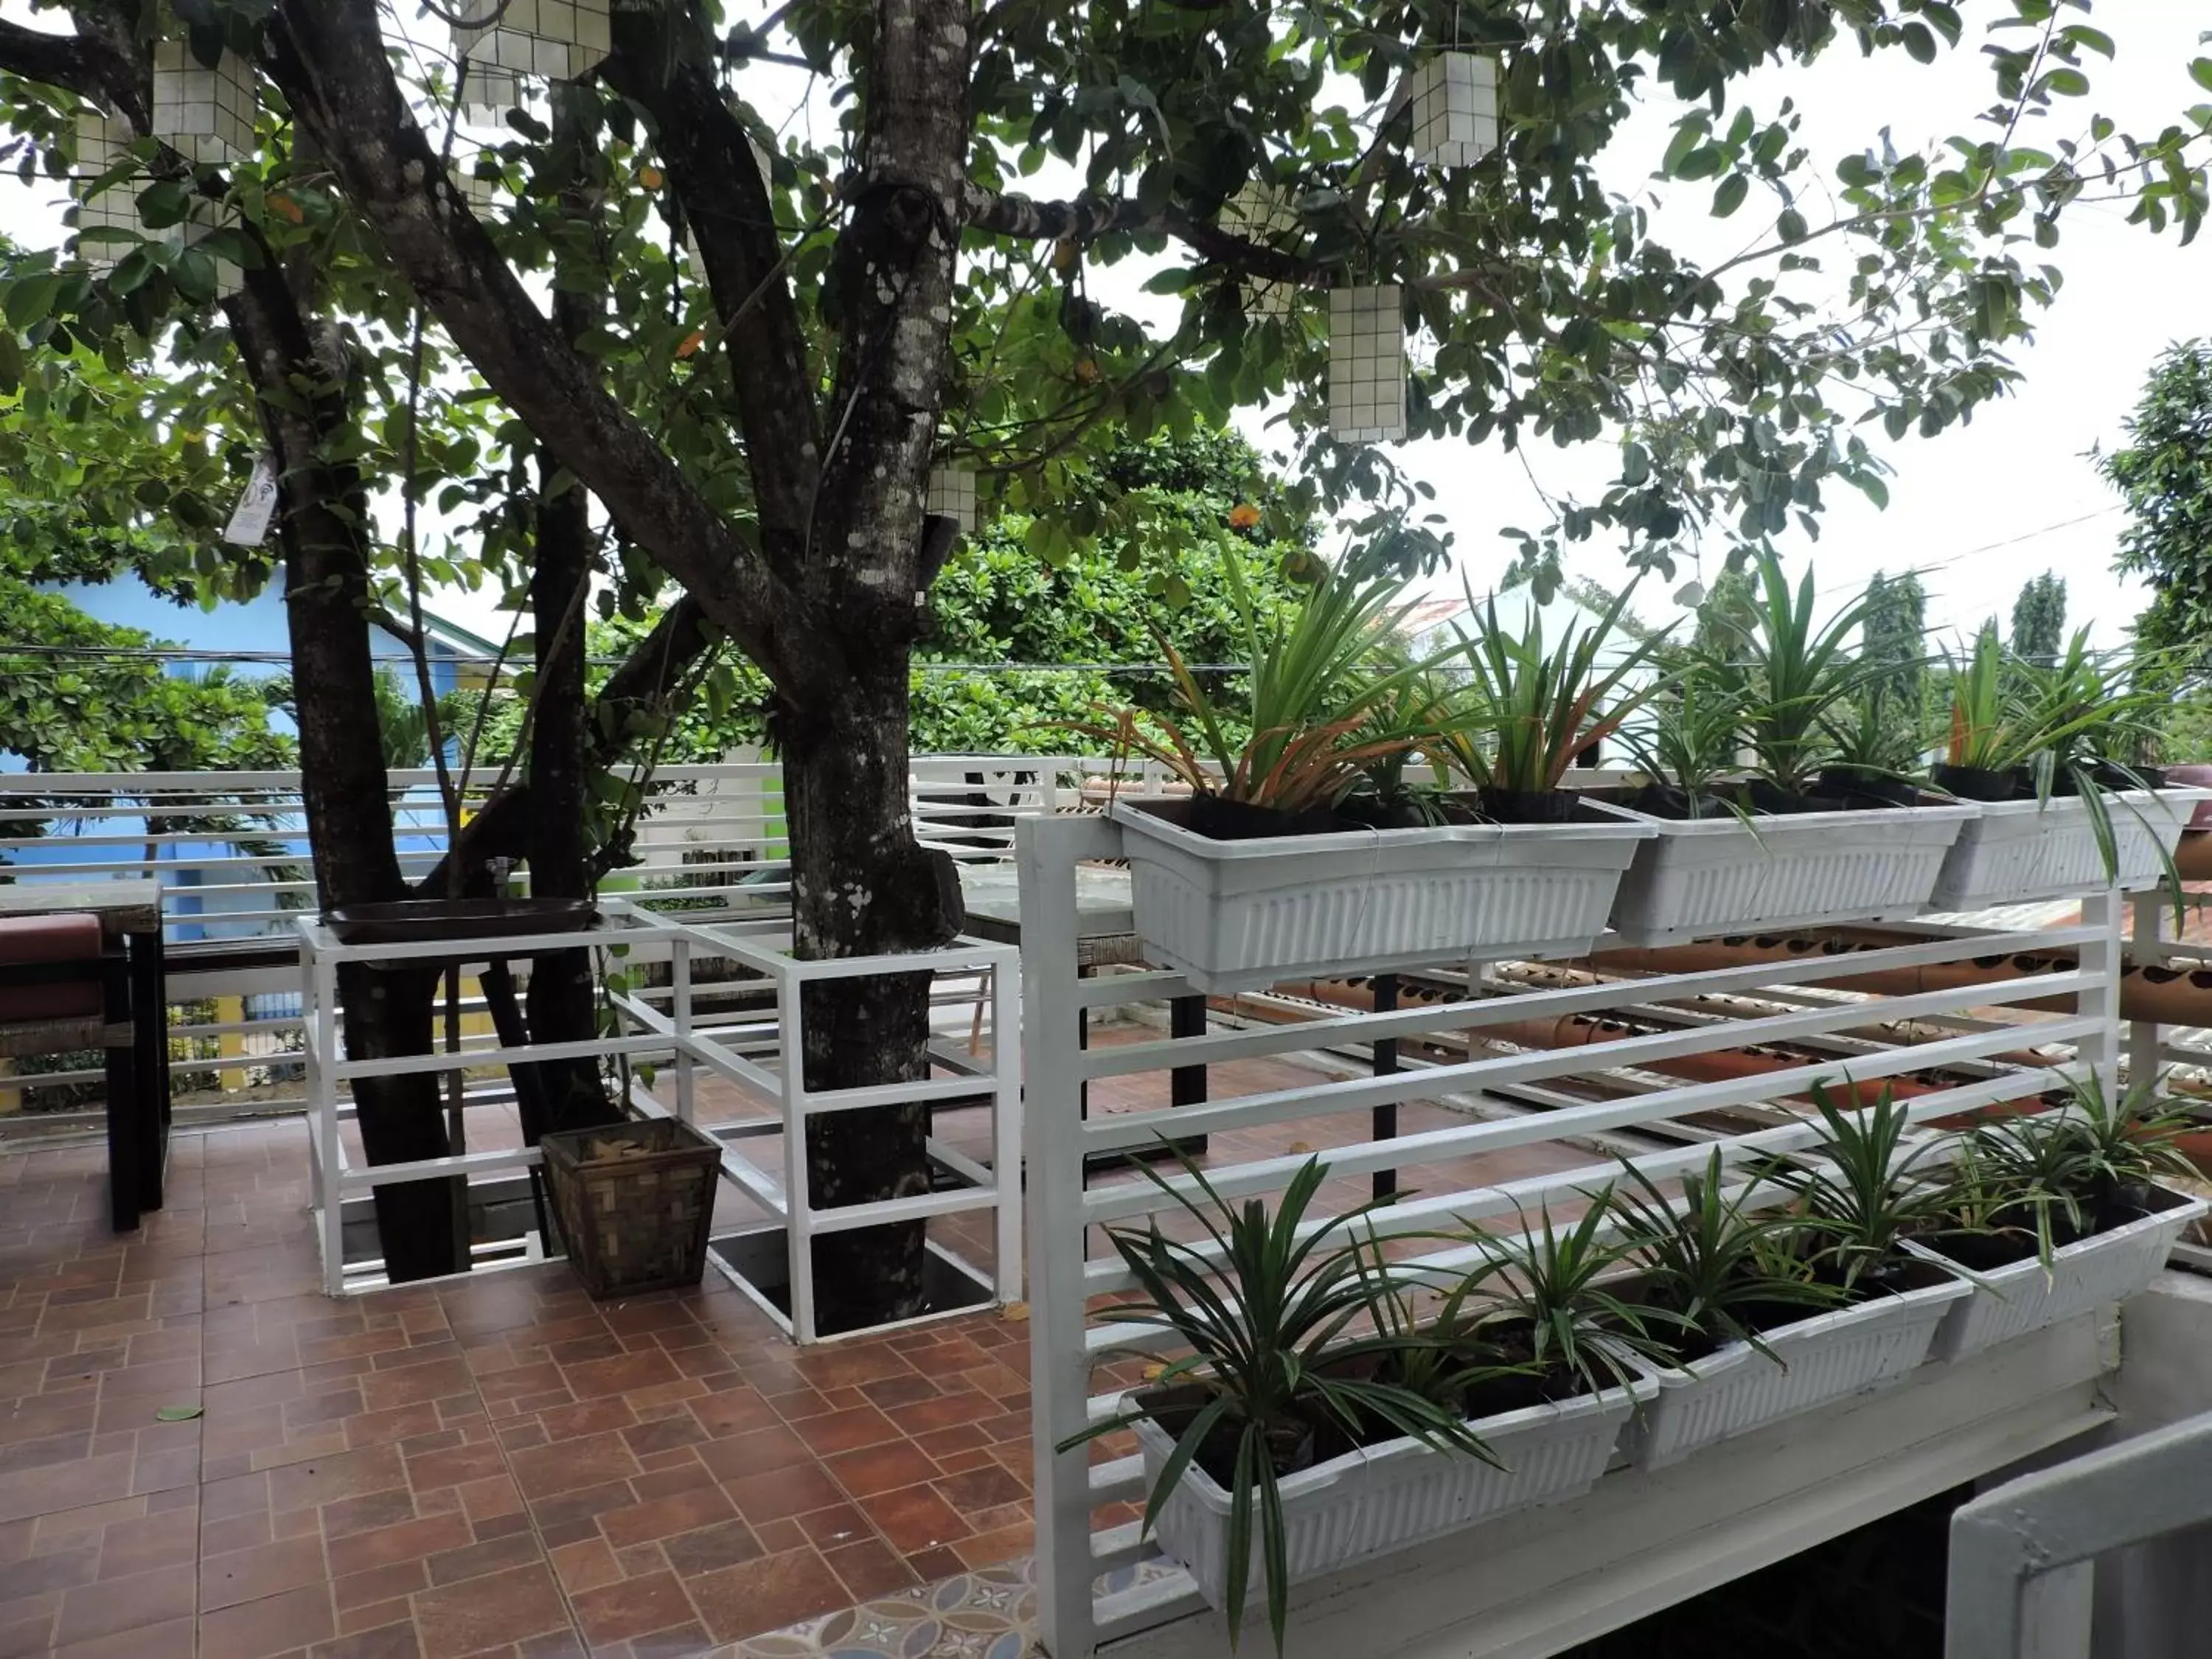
[560, 40]
[103, 143]
[1455, 109]
[1259, 213]
[951, 495]
[204, 114]
[481, 193]
[1366, 364]
[489, 92]
[204, 218]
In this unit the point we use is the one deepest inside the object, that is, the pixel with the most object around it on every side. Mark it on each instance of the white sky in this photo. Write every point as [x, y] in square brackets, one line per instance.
[1982, 508]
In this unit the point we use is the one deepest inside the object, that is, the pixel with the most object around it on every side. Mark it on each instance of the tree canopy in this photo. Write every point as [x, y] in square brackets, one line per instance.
[2039, 619]
[2164, 475]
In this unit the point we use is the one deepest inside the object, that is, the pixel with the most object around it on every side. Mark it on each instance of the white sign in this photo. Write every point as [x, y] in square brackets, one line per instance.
[249, 520]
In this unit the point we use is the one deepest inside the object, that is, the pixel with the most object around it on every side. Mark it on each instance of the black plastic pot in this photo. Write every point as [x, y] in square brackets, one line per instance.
[1858, 788]
[1664, 800]
[1769, 797]
[1978, 783]
[1531, 805]
[1217, 819]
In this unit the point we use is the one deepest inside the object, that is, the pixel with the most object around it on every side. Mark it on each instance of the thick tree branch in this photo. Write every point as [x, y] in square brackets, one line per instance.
[95, 62]
[726, 203]
[329, 57]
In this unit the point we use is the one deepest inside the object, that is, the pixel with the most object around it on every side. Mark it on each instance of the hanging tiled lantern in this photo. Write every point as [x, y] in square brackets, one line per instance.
[951, 495]
[204, 114]
[103, 143]
[1258, 212]
[1455, 109]
[1366, 364]
[560, 40]
[489, 93]
[479, 190]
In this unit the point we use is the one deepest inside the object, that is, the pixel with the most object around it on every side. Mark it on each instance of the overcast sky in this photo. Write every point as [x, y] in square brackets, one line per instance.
[1980, 509]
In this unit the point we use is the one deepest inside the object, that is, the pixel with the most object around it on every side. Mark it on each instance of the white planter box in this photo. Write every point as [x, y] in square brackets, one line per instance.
[2014, 851]
[1832, 1356]
[1388, 1497]
[1699, 876]
[1235, 915]
[2093, 1273]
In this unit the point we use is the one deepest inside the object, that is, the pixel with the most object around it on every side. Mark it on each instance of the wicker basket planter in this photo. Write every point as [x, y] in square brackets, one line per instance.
[636, 1202]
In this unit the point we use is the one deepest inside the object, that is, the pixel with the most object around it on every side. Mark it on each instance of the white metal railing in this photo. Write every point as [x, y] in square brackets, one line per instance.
[231, 851]
[1097, 1582]
[757, 1050]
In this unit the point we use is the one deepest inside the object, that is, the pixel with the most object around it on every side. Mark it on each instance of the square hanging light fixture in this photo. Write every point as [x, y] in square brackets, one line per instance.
[205, 113]
[203, 219]
[489, 93]
[1258, 212]
[103, 144]
[951, 495]
[1366, 364]
[560, 40]
[1455, 109]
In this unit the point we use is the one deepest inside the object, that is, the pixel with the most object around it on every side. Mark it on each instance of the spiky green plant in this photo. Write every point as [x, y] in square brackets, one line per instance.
[1708, 1258]
[1867, 1186]
[1691, 735]
[1543, 707]
[1791, 672]
[1271, 1322]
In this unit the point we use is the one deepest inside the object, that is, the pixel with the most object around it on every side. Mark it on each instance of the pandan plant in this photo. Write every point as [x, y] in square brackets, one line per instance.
[1719, 1266]
[1689, 744]
[1280, 1345]
[1791, 674]
[1321, 709]
[1543, 707]
[1868, 1187]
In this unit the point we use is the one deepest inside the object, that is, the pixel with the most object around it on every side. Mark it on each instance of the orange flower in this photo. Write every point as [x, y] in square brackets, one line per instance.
[649, 177]
[692, 342]
[1243, 516]
[285, 207]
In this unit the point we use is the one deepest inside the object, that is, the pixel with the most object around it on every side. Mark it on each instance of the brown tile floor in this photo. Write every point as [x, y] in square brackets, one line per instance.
[494, 1465]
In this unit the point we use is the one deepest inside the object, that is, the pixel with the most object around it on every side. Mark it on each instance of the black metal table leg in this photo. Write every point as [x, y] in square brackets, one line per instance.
[125, 1104]
[150, 1021]
[1385, 1124]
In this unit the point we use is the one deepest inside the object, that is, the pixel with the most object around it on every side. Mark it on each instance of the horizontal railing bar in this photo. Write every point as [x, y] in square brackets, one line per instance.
[357, 1179]
[1125, 1131]
[1104, 1274]
[1146, 985]
[919, 1207]
[1123, 1058]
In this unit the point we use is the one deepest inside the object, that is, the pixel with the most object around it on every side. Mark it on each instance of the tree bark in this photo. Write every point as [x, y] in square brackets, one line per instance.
[861, 885]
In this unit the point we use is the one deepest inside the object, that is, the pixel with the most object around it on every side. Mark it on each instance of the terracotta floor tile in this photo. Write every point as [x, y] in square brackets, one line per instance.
[488, 1613]
[625, 1375]
[868, 1568]
[173, 1638]
[410, 1541]
[880, 1469]
[665, 1517]
[125, 1604]
[631, 1607]
[915, 1518]
[588, 1563]
[845, 1431]
[766, 1594]
[988, 1549]
[709, 1548]
[567, 1465]
[978, 1489]
[274, 1625]
[328, 1479]
[249, 1575]
[784, 1493]
[393, 1641]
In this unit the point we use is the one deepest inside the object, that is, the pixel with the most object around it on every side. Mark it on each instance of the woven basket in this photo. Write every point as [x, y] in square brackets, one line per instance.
[636, 1202]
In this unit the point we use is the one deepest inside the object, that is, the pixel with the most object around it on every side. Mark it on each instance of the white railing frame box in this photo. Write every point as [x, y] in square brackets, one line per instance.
[1098, 1587]
[762, 1052]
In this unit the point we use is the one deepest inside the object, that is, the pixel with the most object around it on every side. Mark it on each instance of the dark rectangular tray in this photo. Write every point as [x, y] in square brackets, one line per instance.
[418, 922]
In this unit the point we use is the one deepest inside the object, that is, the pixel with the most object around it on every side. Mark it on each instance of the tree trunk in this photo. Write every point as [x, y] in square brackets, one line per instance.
[861, 885]
[563, 1005]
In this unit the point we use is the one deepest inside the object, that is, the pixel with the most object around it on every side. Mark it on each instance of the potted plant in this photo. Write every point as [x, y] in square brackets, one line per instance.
[1289, 1440]
[1789, 1311]
[1257, 876]
[1777, 855]
[2060, 1213]
[2049, 751]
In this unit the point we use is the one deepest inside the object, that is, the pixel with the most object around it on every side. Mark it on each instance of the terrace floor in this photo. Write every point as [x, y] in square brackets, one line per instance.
[488, 1466]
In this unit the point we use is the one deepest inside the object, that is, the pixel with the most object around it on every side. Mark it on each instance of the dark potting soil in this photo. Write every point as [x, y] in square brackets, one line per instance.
[1217, 819]
[1863, 791]
[1978, 783]
[1531, 805]
[1664, 800]
[1986, 1252]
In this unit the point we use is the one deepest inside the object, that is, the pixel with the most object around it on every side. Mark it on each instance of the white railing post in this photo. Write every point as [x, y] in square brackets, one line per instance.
[2144, 1036]
[324, 1045]
[1060, 1369]
[680, 980]
[2101, 956]
[798, 1193]
[1006, 1124]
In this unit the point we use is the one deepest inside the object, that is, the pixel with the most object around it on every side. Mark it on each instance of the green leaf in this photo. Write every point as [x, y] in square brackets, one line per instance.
[1729, 197]
[2200, 70]
[1919, 42]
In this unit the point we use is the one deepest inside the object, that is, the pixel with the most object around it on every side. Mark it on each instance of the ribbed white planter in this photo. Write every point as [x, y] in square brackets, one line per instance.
[1699, 876]
[2098, 1271]
[1832, 1356]
[1391, 1496]
[1234, 916]
[2013, 851]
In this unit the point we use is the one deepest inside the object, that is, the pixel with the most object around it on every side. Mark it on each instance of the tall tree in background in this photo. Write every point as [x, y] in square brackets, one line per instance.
[2039, 619]
[880, 301]
[2164, 473]
[1894, 633]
